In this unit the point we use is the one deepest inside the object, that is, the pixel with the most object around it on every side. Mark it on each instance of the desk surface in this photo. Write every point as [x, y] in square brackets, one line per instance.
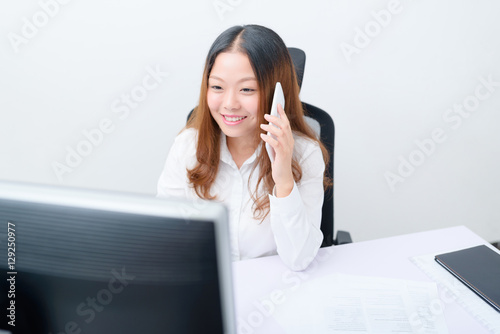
[389, 257]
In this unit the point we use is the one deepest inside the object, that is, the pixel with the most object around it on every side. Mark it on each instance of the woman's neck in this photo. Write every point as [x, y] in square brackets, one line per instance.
[241, 149]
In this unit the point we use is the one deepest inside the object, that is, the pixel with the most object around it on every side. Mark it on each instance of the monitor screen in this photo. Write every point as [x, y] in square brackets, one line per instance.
[82, 261]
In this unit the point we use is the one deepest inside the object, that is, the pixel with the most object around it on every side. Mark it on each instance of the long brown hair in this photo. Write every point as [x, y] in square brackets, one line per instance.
[271, 63]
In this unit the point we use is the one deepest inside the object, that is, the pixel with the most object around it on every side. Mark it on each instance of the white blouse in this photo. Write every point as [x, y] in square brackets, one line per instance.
[292, 228]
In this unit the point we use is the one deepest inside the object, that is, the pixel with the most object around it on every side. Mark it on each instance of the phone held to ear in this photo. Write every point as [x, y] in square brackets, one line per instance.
[278, 98]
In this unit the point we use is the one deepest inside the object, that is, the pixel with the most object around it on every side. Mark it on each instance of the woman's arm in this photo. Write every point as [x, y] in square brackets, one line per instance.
[295, 208]
[296, 219]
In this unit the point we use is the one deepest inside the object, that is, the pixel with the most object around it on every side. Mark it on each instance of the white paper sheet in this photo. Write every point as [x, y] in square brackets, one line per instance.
[344, 304]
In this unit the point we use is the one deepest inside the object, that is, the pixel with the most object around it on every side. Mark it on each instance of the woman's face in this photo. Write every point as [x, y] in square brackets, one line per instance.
[233, 96]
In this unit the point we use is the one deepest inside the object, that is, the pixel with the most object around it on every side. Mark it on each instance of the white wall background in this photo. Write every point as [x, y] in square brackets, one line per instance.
[64, 70]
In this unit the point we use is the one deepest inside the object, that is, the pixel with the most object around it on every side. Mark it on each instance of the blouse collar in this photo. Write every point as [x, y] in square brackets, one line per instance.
[226, 157]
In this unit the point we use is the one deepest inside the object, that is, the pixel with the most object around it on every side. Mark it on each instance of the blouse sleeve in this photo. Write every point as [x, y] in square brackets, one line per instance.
[296, 219]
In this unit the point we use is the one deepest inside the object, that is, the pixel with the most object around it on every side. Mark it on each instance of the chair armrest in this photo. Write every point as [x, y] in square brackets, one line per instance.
[343, 237]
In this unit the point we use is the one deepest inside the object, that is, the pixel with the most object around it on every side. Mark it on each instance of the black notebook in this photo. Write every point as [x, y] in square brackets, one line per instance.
[478, 268]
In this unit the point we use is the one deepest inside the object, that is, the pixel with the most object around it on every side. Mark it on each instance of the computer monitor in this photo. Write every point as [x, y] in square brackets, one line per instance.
[83, 261]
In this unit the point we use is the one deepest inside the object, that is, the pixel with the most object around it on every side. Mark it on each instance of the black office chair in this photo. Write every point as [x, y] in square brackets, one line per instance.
[323, 124]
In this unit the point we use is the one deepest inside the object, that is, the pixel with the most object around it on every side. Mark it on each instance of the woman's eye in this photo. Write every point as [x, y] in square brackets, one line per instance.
[216, 87]
[248, 90]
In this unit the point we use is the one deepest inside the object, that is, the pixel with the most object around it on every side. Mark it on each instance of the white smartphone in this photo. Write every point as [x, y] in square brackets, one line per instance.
[278, 98]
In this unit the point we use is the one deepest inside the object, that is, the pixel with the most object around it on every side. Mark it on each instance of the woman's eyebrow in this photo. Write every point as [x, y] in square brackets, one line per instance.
[241, 80]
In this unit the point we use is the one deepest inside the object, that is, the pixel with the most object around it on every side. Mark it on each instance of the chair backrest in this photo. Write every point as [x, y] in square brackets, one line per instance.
[299, 62]
[323, 121]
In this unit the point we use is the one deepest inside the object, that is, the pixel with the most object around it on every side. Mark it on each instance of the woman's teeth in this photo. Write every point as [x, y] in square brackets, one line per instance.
[233, 119]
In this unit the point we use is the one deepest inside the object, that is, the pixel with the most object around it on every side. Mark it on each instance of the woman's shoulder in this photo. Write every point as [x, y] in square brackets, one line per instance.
[304, 145]
[186, 138]
[183, 150]
[308, 154]
[185, 141]
[187, 134]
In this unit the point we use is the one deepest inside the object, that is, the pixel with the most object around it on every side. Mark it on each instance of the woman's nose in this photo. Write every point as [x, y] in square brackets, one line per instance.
[231, 101]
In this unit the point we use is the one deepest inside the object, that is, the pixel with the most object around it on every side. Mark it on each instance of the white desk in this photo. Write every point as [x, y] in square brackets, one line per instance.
[389, 257]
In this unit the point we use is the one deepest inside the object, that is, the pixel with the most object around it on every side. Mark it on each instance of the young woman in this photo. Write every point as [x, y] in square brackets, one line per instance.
[220, 155]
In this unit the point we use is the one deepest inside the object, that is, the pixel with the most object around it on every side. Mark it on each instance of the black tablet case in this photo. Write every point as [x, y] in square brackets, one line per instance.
[478, 268]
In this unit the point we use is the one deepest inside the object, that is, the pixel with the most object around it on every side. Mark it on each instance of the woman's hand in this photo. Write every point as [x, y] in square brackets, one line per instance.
[283, 147]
